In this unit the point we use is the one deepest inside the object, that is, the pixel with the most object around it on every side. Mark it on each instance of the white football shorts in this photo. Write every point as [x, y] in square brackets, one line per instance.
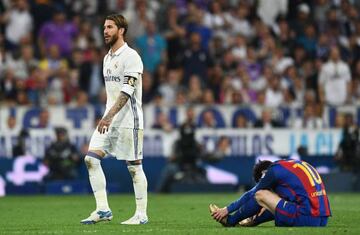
[122, 143]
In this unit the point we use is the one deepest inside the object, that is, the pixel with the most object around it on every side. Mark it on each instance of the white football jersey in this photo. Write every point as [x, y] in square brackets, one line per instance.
[125, 61]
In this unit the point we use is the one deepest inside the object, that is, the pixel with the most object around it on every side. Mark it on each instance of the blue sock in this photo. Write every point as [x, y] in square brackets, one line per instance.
[265, 217]
[248, 209]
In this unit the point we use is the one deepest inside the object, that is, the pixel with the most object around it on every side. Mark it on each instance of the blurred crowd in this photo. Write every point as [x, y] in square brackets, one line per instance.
[273, 53]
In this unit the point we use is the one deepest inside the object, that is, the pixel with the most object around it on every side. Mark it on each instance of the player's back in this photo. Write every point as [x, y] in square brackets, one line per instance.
[299, 182]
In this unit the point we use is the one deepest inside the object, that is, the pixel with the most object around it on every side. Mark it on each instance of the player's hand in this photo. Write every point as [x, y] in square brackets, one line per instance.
[220, 214]
[103, 125]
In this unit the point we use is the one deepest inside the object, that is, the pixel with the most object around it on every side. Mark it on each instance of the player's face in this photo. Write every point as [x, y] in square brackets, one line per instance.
[111, 32]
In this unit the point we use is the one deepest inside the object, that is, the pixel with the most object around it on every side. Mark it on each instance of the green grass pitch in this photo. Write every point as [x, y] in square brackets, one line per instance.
[168, 214]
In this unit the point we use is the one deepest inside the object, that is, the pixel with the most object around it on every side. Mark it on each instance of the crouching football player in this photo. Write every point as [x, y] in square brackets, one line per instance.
[287, 191]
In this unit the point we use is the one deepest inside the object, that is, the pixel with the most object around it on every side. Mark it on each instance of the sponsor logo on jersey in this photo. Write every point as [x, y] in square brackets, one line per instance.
[111, 78]
[318, 193]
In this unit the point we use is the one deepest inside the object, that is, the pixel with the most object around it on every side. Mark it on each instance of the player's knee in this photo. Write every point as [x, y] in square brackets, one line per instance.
[87, 161]
[91, 162]
[260, 196]
[132, 171]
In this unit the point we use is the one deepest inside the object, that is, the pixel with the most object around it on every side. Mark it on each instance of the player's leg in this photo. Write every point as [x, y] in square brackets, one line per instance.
[134, 164]
[140, 191]
[97, 180]
[267, 199]
[248, 209]
[262, 217]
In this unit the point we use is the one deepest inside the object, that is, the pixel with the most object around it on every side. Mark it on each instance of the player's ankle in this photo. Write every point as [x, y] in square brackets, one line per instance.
[103, 209]
[141, 213]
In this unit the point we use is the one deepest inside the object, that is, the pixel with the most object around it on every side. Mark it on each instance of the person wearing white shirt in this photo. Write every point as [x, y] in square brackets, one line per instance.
[19, 23]
[120, 131]
[309, 120]
[274, 96]
[335, 80]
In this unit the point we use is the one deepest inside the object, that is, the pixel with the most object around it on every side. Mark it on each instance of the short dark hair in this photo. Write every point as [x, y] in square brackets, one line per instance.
[119, 20]
[259, 168]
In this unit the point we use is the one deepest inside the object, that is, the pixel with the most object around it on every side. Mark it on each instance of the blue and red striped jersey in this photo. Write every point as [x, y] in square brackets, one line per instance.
[299, 182]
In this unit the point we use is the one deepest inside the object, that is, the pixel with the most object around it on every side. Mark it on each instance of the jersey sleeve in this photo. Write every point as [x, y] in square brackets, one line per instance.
[133, 66]
[132, 73]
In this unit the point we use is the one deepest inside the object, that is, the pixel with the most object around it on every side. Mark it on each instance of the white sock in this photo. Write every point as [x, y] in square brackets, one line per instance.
[98, 182]
[140, 188]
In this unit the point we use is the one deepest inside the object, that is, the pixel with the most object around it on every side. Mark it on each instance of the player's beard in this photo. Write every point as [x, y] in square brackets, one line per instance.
[112, 40]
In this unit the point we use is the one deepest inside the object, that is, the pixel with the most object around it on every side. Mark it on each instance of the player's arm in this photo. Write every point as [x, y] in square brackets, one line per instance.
[234, 206]
[126, 91]
[237, 204]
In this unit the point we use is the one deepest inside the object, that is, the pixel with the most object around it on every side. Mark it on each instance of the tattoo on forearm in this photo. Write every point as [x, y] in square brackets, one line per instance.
[120, 102]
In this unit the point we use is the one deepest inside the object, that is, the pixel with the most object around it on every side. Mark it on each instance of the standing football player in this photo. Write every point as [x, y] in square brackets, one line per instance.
[287, 191]
[120, 131]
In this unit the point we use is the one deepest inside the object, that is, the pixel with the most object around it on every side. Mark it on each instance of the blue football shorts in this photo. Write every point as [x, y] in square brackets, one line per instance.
[287, 215]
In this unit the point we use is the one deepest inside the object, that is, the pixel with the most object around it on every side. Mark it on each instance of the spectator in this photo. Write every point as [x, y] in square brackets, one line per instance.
[303, 18]
[348, 155]
[274, 93]
[309, 40]
[217, 20]
[25, 63]
[20, 148]
[208, 97]
[241, 121]
[320, 10]
[152, 47]
[195, 90]
[52, 63]
[210, 119]
[84, 39]
[309, 119]
[162, 123]
[19, 24]
[169, 88]
[266, 121]
[148, 88]
[58, 91]
[181, 98]
[239, 22]
[138, 19]
[339, 120]
[322, 46]
[183, 164]
[239, 47]
[197, 60]
[62, 157]
[91, 77]
[269, 10]
[195, 24]
[43, 119]
[285, 36]
[174, 33]
[335, 80]
[217, 152]
[8, 86]
[59, 32]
